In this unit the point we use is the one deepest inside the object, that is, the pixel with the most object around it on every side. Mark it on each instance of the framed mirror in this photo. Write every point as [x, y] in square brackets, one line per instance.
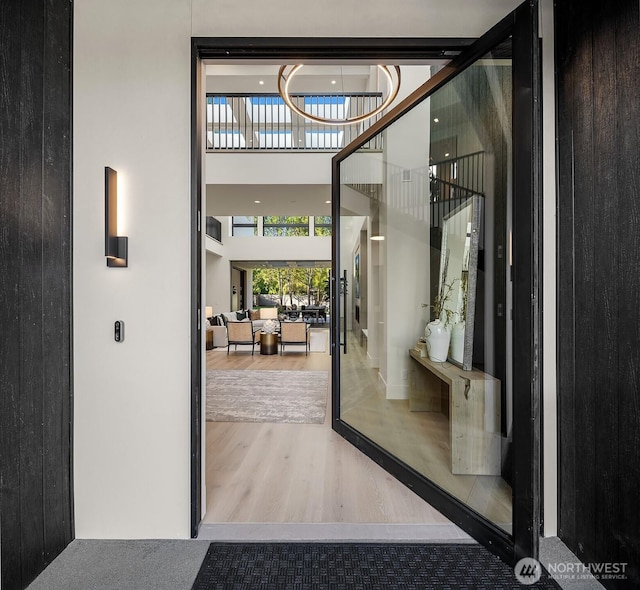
[458, 276]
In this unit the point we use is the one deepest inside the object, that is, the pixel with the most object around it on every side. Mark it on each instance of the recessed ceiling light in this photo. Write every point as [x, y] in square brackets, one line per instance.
[446, 155]
[377, 238]
[256, 201]
[328, 202]
[333, 82]
[261, 82]
[436, 120]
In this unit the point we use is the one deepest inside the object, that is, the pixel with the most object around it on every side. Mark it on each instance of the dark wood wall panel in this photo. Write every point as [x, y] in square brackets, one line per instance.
[35, 286]
[9, 302]
[598, 64]
[57, 265]
[628, 108]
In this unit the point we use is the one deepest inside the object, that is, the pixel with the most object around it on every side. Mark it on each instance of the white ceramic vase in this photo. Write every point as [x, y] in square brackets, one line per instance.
[437, 336]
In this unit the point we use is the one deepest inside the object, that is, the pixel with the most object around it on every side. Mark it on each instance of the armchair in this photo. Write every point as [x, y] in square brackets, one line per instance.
[240, 333]
[294, 333]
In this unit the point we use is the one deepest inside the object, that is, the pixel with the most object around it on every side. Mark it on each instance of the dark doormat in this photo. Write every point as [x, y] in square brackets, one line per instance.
[366, 566]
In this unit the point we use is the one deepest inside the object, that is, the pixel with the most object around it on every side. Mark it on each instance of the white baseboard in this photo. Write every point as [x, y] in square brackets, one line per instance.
[397, 391]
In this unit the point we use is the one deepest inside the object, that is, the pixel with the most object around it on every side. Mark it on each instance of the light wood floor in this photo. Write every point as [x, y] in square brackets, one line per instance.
[298, 473]
[306, 473]
[419, 439]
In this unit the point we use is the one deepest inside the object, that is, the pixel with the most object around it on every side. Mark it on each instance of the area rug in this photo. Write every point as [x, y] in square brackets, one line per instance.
[296, 397]
[366, 566]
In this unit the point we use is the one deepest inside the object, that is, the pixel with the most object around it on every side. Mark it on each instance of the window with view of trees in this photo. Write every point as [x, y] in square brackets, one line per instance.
[322, 225]
[244, 225]
[277, 225]
[293, 285]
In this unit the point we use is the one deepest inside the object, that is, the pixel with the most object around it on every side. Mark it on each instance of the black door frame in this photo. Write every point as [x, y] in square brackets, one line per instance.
[295, 50]
[522, 26]
[284, 50]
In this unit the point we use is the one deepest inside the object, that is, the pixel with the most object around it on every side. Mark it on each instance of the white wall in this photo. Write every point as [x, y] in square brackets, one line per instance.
[375, 18]
[218, 283]
[131, 400]
[278, 248]
[132, 112]
[406, 247]
[268, 168]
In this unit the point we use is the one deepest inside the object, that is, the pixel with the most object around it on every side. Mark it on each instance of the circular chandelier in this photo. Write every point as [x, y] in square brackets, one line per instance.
[284, 79]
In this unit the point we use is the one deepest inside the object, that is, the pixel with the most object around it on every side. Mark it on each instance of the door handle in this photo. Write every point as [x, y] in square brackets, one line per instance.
[344, 291]
[341, 290]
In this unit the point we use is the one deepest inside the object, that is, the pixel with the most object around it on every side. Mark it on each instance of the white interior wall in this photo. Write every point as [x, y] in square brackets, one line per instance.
[218, 283]
[406, 245]
[268, 168]
[213, 246]
[132, 112]
[131, 399]
[277, 248]
[377, 18]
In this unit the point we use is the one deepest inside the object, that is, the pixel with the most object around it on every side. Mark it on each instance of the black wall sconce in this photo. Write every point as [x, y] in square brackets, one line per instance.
[116, 247]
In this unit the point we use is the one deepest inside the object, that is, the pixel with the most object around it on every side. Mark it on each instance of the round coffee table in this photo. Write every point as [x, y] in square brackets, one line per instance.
[268, 343]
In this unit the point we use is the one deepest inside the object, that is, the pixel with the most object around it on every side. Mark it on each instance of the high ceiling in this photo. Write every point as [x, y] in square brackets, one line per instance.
[297, 198]
[287, 199]
[248, 78]
[283, 199]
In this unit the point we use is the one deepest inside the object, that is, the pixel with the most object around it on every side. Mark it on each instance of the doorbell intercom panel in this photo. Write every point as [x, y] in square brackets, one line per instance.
[118, 331]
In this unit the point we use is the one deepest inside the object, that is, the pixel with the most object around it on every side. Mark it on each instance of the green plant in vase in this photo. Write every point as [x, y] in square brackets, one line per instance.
[439, 309]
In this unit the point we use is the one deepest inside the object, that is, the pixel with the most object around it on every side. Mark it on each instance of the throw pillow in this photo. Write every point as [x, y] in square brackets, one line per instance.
[224, 319]
[240, 315]
[254, 314]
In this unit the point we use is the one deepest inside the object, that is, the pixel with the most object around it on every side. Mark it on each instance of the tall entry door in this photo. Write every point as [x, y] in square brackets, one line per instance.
[434, 258]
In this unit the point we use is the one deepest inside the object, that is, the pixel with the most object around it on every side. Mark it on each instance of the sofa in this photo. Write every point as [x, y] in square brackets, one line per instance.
[218, 322]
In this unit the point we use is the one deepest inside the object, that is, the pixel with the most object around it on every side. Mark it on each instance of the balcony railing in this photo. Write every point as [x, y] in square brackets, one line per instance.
[457, 177]
[238, 122]
[214, 228]
[452, 182]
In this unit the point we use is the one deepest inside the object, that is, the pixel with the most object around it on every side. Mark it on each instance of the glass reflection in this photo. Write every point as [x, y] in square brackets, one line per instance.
[450, 153]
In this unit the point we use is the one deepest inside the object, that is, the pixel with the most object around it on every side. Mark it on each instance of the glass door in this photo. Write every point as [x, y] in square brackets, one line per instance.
[432, 293]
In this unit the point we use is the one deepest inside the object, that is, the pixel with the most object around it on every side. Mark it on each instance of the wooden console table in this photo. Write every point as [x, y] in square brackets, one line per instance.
[471, 401]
